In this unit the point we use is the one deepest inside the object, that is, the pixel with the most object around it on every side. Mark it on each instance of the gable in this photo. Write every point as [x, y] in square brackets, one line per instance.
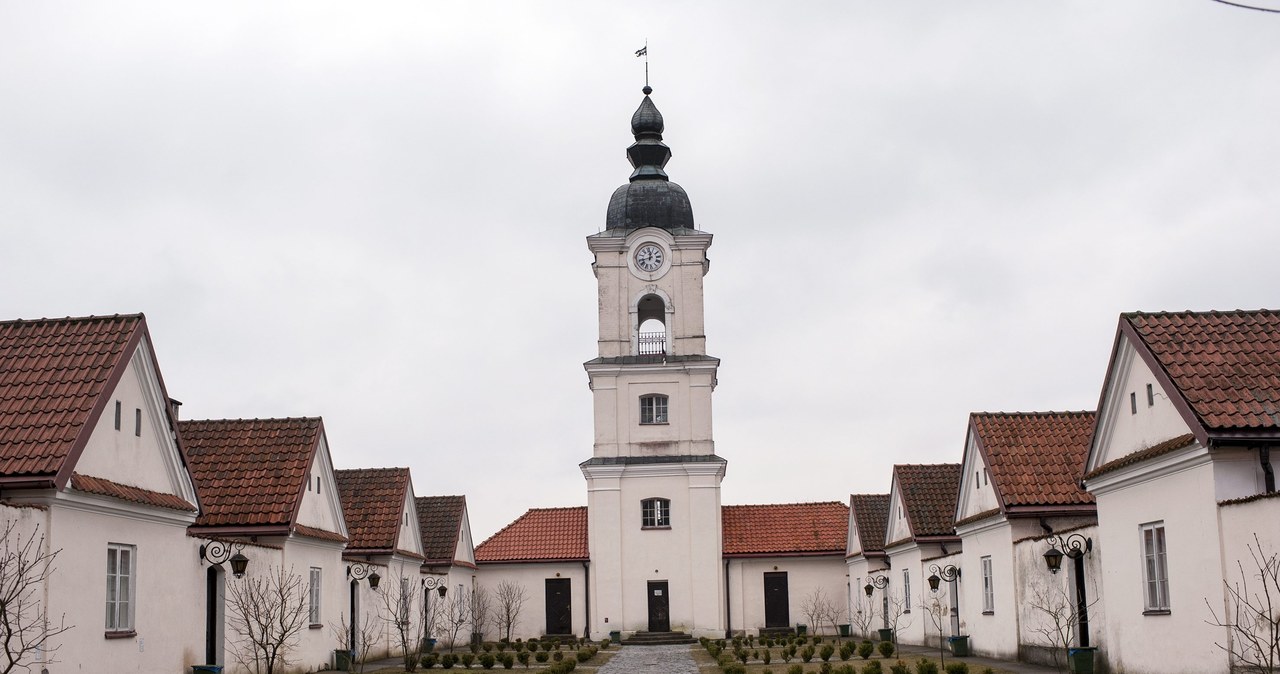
[1129, 419]
[320, 508]
[977, 490]
[898, 527]
[132, 442]
[466, 551]
[410, 537]
[853, 546]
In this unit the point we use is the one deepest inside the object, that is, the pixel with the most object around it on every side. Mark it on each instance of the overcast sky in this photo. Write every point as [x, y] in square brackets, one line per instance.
[376, 212]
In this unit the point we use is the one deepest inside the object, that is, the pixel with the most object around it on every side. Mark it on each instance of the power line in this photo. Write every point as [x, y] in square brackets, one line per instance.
[1258, 9]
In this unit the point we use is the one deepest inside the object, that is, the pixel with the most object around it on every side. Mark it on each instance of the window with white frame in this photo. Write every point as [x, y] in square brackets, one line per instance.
[988, 587]
[313, 593]
[655, 512]
[1155, 570]
[906, 591]
[653, 409]
[120, 580]
[405, 599]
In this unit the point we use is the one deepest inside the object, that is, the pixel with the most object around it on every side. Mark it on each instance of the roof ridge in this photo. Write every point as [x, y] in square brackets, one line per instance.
[230, 419]
[775, 505]
[1028, 414]
[1208, 312]
[71, 319]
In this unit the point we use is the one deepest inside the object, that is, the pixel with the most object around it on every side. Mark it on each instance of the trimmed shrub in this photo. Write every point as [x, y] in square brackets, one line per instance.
[584, 654]
[957, 668]
[467, 659]
[886, 649]
[926, 666]
[542, 656]
[508, 660]
[733, 668]
[865, 649]
[523, 657]
[429, 660]
[899, 667]
[847, 649]
[872, 667]
[765, 656]
[448, 660]
[825, 668]
[795, 669]
[487, 648]
[488, 661]
[807, 653]
[826, 652]
[846, 669]
[557, 655]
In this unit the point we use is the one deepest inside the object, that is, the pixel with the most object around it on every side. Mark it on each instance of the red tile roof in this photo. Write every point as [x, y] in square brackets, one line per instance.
[53, 374]
[929, 493]
[1170, 445]
[785, 529]
[871, 515]
[372, 502]
[1035, 458]
[250, 472]
[539, 535]
[105, 487]
[1226, 365]
[440, 521]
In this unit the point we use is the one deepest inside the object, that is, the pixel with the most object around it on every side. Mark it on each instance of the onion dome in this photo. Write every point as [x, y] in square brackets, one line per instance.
[650, 199]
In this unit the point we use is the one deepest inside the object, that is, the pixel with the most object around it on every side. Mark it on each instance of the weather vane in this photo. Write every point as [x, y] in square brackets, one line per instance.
[644, 51]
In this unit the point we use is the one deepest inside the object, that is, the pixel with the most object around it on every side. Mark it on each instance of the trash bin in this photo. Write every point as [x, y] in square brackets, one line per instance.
[802, 628]
[1081, 659]
[206, 669]
[886, 634]
[959, 645]
[342, 660]
[615, 636]
[844, 630]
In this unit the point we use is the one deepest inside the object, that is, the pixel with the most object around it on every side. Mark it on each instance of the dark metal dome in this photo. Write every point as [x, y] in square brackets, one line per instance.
[650, 199]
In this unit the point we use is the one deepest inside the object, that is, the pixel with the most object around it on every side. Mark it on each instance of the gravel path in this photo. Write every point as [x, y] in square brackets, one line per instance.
[651, 660]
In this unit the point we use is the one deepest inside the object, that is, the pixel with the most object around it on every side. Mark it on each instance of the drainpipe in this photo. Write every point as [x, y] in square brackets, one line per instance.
[1268, 473]
[586, 584]
[728, 622]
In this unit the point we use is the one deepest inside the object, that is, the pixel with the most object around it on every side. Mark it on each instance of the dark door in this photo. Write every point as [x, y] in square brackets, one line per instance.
[659, 607]
[777, 604]
[559, 611]
[213, 616]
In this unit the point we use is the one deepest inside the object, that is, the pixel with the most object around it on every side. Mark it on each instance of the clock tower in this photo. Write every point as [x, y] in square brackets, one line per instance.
[653, 481]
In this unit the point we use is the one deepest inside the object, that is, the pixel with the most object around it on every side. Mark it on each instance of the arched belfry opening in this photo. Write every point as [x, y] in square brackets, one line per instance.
[651, 319]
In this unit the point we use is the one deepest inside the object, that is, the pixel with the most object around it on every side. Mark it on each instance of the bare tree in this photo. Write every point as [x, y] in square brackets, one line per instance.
[398, 604]
[366, 635]
[455, 615]
[268, 612]
[510, 599]
[1252, 616]
[938, 613]
[897, 614]
[480, 609]
[1060, 617]
[863, 614]
[26, 634]
[819, 610]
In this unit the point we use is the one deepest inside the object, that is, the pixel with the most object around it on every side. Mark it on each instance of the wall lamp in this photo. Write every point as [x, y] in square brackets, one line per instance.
[359, 571]
[948, 573]
[1073, 546]
[875, 582]
[218, 552]
[438, 583]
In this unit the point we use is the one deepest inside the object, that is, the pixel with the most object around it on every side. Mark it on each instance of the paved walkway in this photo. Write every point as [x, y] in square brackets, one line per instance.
[651, 660]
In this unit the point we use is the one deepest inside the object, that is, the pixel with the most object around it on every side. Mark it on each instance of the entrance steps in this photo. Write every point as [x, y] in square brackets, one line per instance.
[658, 639]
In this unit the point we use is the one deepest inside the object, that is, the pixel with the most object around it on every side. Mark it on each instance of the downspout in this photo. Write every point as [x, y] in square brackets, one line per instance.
[1268, 473]
[728, 621]
[586, 584]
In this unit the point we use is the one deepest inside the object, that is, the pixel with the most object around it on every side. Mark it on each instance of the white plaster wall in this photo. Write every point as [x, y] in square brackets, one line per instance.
[532, 621]
[857, 572]
[1179, 641]
[899, 528]
[1037, 588]
[1122, 431]
[616, 393]
[805, 575]
[912, 622]
[1241, 523]
[410, 538]
[977, 494]
[317, 642]
[993, 634]
[147, 461]
[169, 589]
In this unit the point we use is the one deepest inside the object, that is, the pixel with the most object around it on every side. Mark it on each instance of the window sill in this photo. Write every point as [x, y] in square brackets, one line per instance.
[988, 613]
[315, 626]
[1161, 611]
[655, 423]
[120, 634]
[659, 527]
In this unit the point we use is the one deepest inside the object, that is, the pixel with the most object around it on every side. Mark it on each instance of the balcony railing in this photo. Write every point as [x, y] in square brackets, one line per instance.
[652, 343]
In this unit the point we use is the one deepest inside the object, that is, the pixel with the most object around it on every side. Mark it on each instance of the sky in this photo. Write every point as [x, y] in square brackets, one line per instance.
[376, 212]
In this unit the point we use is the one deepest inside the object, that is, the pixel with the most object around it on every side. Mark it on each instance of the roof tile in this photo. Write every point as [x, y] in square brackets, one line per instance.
[785, 528]
[541, 534]
[929, 494]
[105, 487]
[372, 501]
[1225, 363]
[1035, 458]
[440, 521]
[871, 515]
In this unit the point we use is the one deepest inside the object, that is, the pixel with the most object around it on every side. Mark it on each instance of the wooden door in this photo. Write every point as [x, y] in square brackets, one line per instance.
[559, 606]
[659, 607]
[777, 603]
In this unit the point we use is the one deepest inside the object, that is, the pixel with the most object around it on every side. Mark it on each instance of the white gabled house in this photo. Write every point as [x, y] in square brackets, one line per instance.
[918, 531]
[89, 460]
[865, 559]
[1180, 465]
[450, 555]
[1019, 486]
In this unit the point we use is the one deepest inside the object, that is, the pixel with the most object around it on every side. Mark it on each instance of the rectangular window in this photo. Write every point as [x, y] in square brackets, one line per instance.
[137, 423]
[314, 595]
[120, 578]
[405, 599]
[117, 415]
[1155, 570]
[1151, 396]
[988, 587]
[1133, 403]
[906, 591]
[653, 409]
[655, 512]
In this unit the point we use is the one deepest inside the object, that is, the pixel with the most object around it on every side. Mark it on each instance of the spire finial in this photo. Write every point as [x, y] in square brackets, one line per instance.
[644, 51]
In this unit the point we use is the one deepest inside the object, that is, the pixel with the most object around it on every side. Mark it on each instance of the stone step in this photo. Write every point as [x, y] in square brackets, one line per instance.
[658, 639]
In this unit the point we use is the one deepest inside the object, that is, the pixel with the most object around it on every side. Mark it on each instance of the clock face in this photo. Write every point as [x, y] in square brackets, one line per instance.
[649, 257]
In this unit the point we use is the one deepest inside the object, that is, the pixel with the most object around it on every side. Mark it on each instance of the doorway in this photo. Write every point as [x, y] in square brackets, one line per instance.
[777, 603]
[559, 606]
[214, 615]
[659, 607]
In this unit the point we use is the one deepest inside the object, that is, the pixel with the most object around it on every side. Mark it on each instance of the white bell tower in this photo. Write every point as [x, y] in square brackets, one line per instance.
[653, 482]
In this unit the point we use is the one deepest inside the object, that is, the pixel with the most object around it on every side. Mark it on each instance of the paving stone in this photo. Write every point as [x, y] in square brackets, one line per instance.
[651, 660]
